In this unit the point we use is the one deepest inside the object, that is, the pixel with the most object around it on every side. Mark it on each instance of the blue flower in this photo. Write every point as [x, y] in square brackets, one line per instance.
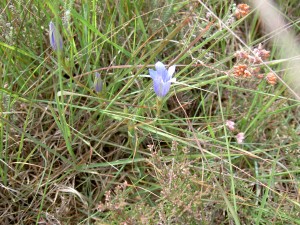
[98, 83]
[162, 78]
[55, 37]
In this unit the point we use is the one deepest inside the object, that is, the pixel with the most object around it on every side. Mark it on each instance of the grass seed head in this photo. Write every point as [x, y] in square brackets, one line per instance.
[271, 78]
[242, 10]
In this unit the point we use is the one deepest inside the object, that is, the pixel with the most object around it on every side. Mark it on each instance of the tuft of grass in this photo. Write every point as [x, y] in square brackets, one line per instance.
[70, 155]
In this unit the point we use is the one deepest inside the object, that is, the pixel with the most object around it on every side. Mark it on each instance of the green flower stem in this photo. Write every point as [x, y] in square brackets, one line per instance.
[159, 103]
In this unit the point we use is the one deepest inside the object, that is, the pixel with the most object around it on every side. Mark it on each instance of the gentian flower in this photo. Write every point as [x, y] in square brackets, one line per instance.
[56, 41]
[98, 83]
[162, 79]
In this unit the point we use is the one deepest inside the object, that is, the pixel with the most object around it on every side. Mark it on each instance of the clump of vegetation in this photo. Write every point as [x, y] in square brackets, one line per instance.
[146, 112]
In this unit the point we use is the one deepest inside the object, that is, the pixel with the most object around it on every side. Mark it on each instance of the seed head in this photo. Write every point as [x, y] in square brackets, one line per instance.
[230, 124]
[240, 138]
[271, 78]
[242, 10]
[242, 71]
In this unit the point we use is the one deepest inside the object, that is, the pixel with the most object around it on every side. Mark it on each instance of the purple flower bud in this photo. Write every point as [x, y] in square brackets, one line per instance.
[55, 37]
[98, 83]
[162, 79]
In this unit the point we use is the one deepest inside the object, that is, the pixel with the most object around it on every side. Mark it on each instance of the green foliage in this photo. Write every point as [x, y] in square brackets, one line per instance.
[70, 155]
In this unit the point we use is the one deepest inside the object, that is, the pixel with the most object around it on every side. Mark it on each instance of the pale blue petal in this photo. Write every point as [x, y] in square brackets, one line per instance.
[161, 89]
[171, 71]
[159, 66]
[153, 74]
[98, 82]
[52, 41]
[51, 28]
[158, 87]
[161, 79]
[51, 35]
[161, 69]
[165, 89]
[55, 37]
[97, 75]
[60, 41]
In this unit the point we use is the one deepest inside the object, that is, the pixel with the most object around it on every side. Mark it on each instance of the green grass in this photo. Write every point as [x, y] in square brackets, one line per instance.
[69, 155]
